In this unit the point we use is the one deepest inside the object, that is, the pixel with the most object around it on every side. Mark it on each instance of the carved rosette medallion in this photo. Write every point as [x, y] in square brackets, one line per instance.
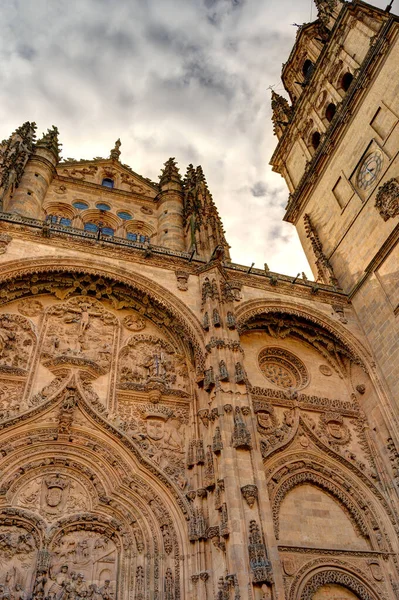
[134, 322]
[387, 199]
[283, 368]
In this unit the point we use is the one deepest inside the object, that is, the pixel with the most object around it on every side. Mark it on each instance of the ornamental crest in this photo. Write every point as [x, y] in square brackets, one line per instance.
[387, 199]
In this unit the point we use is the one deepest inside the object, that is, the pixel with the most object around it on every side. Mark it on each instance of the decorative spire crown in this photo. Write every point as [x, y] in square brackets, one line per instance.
[170, 172]
[50, 141]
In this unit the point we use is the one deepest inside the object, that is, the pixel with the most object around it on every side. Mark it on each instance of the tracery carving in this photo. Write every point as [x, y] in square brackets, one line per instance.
[387, 199]
[17, 341]
[79, 332]
[147, 361]
[64, 278]
[283, 368]
[345, 579]
[302, 477]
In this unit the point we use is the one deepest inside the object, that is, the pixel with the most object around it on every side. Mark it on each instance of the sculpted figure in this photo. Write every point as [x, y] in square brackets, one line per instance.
[57, 589]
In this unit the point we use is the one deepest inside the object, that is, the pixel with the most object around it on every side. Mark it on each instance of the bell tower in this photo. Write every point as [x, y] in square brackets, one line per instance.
[337, 150]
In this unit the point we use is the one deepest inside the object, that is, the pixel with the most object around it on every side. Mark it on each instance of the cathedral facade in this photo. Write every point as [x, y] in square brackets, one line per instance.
[174, 425]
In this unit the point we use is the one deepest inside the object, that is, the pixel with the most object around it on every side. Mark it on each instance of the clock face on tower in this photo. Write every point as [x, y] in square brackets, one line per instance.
[369, 170]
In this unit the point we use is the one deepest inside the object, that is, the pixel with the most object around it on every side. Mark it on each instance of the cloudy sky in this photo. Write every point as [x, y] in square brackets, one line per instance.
[183, 78]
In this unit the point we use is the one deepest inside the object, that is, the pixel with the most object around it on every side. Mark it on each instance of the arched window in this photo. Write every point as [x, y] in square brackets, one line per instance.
[91, 227]
[330, 112]
[65, 221]
[316, 139]
[108, 182]
[103, 206]
[346, 81]
[307, 69]
[107, 231]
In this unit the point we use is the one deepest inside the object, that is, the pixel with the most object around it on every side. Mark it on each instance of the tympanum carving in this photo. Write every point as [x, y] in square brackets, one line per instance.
[18, 551]
[79, 332]
[147, 361]
[84, 564]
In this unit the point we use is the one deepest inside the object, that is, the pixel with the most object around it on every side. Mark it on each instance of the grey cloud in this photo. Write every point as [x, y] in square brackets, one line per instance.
[184, 78]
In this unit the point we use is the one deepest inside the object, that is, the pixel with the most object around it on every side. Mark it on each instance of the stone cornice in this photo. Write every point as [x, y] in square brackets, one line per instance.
[122, 249]
[104, 191]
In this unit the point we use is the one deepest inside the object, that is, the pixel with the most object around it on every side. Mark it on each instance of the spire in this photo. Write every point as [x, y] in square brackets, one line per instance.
[115, 152]
[170, 173]
[206, 228]
[14, 154]
[282, 113]
[50, 141]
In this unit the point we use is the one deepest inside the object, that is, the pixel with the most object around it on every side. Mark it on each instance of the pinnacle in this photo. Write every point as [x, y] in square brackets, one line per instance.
[170, 172]
[50, 140]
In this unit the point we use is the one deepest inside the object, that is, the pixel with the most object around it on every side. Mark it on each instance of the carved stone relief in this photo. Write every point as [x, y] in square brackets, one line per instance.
[30, 307]
[83, 561]
[159, 431]
[53, 495]
[11, 392]
[16, 344]
[18, 552]
[147, 361]
[79, 332]
[387, 199]
[134, 322]
[283, 368]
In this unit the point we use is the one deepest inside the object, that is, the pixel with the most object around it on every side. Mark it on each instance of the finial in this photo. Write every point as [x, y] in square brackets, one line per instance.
[115, 152]
[49, 140]
[170, 172]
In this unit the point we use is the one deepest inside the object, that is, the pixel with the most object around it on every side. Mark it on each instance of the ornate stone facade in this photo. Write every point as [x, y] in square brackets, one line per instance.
[173, 425]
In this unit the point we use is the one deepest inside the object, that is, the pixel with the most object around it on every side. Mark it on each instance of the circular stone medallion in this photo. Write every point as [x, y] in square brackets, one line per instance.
[283, 368]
